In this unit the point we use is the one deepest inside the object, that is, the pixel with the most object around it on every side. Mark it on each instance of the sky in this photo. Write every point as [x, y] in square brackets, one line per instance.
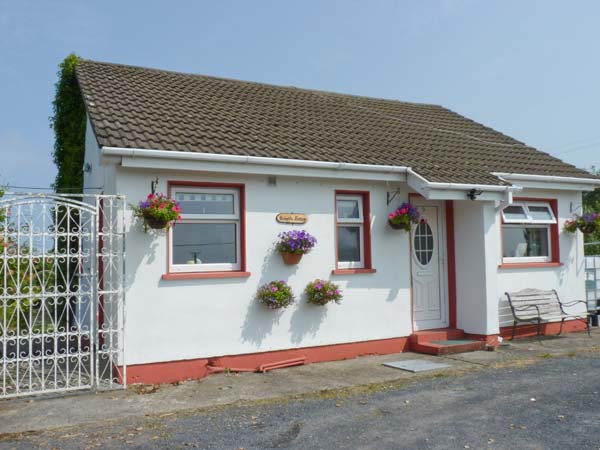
[530, 69]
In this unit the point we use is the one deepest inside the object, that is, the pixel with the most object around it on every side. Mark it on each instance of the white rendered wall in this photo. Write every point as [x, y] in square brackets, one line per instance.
[172, 320]
[568, 279]
[476, 266]
[100, 179]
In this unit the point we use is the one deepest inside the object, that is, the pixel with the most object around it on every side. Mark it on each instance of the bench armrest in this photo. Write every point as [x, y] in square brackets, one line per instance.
[574, 302]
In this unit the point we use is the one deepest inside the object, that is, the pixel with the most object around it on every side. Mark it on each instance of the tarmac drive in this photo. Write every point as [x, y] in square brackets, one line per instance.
[552, 404]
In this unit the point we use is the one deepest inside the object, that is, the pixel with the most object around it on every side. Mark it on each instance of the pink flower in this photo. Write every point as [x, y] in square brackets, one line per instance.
[318, 286]
[329, 293]
[392, 215]
[274, 289]
[150, 196]
[403, 211]
[338, 292]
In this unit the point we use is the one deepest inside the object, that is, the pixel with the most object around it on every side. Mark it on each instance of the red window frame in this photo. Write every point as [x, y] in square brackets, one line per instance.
[367, 259]
[554, 238]
[242, 272]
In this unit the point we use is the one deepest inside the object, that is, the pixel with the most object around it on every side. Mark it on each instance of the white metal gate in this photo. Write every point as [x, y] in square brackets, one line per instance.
[61, 293]
[592, 276]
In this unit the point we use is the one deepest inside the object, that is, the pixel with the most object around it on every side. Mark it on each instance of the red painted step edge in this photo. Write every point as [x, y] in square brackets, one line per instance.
[442, 334]
[430, 348]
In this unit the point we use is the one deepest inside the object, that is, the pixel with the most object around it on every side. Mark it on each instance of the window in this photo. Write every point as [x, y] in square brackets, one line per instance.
[423, 243]
[353, 233]
[207, 238]
[527, 229]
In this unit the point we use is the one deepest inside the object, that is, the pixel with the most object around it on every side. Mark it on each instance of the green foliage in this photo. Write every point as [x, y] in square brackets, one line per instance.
[275, 295]
[68, 123]
[24, 276]
[591, 203]
[321, 292]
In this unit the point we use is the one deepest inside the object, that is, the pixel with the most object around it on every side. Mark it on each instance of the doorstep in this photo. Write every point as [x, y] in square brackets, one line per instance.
[445, 341]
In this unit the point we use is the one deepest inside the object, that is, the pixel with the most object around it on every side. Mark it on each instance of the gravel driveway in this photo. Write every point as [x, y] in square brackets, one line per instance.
[553, 404]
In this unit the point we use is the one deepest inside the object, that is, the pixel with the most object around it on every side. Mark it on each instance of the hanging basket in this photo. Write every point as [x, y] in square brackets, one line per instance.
[588, 228]
[154, 223]
[291, 259]
[399, 226]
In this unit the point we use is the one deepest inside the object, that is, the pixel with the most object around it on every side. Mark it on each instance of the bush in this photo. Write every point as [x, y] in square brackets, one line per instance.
[275, 295]
[321, 292]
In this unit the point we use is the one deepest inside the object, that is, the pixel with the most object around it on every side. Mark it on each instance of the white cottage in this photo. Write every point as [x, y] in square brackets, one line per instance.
[494, 207]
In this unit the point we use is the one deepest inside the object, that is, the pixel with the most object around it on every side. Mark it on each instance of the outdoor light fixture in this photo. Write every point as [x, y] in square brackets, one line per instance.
[474, 193]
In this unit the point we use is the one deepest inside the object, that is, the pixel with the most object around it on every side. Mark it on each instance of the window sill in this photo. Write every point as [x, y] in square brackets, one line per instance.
[201, 275]
[351, 271]
[529, 265]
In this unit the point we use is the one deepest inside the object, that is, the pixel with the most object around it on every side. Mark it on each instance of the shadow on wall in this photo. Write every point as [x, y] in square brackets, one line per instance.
[137, 238]
[260, 320]
[307, 320]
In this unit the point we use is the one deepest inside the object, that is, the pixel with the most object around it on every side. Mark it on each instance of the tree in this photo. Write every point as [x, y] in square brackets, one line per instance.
[68, 123]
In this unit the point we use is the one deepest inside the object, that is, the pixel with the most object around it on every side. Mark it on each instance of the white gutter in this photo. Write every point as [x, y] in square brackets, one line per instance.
[546, 178]
[260, 160]
[243, 159]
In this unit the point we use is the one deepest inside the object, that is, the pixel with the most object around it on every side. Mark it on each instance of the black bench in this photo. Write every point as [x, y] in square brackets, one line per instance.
[537, 306]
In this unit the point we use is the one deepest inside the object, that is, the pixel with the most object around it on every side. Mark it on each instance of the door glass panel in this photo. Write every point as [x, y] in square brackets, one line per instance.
[423, 243]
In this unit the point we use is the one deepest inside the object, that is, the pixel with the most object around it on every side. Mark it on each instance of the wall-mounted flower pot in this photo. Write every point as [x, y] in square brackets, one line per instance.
[399, 226]
[154, 223]
[291, 258]
[588, 228]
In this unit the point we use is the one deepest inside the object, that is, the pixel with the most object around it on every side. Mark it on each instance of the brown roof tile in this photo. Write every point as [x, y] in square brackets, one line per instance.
[149, 108]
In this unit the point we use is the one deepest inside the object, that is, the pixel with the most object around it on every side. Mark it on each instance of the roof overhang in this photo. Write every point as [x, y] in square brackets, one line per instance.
[243, 164]
[550, 181]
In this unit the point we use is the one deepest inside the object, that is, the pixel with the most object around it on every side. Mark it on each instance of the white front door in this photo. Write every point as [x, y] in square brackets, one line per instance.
[428, 278]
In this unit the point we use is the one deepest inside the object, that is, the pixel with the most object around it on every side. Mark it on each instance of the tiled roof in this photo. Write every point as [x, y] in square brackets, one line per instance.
[135, 107]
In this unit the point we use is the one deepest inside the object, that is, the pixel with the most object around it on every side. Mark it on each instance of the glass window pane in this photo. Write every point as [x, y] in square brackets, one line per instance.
[348, 244]
[205, 203]
[514, 212]
[523, 242]
[204, 243]
[540, 213]
[423, 243]
[348, 209]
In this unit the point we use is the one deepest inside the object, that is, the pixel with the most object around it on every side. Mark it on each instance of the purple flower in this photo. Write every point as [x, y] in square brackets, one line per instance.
[329, 293]
[296, 241]
[318, 286]
[338, 292]
[274, 289]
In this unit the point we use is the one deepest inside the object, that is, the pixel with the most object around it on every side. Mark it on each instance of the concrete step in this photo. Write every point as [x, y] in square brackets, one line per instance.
[447, 347]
